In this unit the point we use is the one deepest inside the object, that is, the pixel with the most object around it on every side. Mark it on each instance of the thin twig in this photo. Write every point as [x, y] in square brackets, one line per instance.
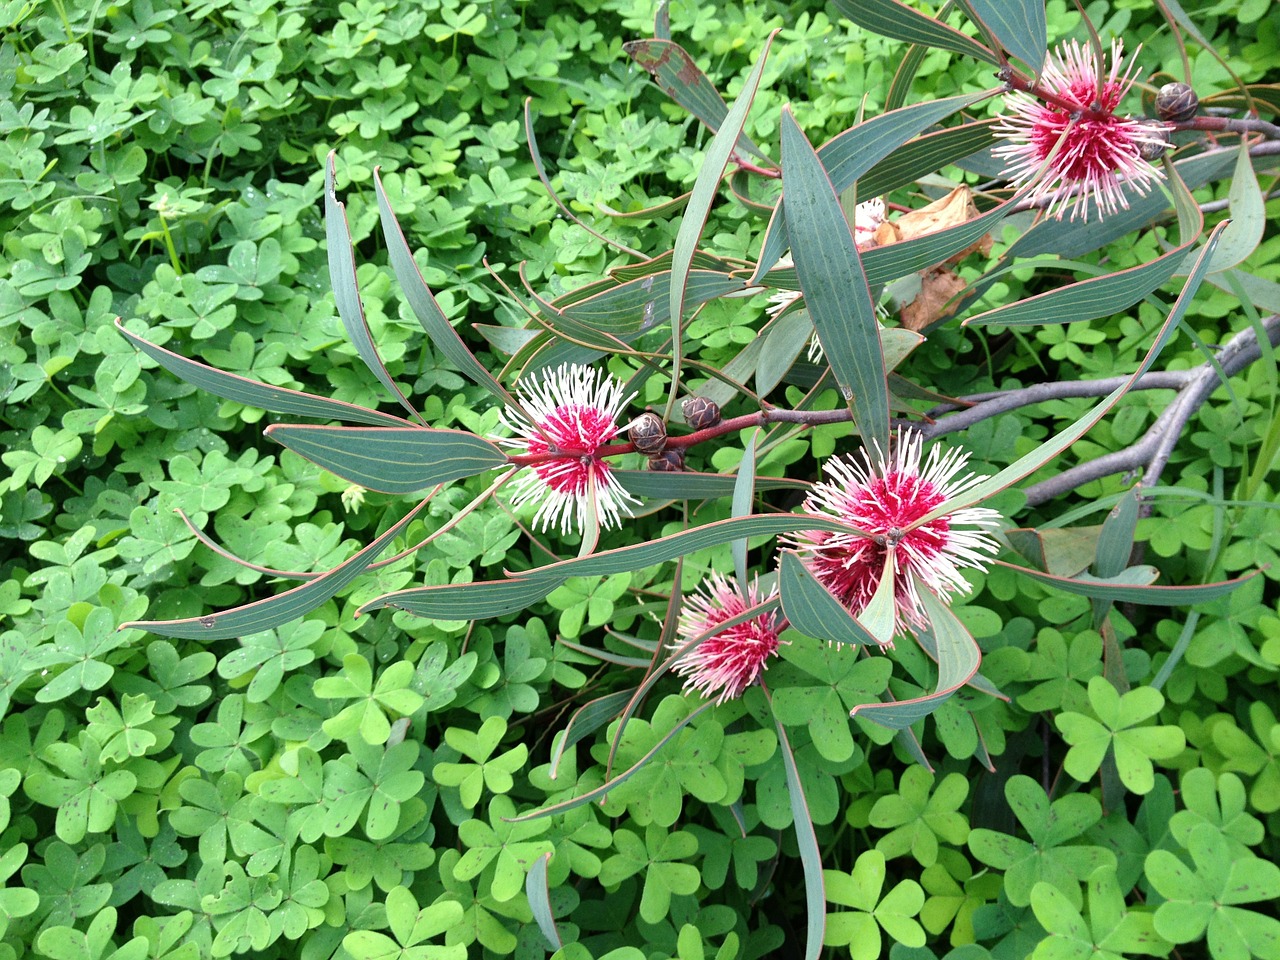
[1152, 452]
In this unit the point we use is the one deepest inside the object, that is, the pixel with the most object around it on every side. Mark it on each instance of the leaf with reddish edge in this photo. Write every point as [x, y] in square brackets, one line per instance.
[238, 389]
[958, 657]
[928, 152]
[346, 290]
[536, 155]
[423, 303]
[1019, 25]
[391, 459]
[854, 152]
[586, 720]
[602, 791]
[1133, 586]
[811, 609]
[705, 189]
[888, 18]
[535, 888]
[835, 285]
[636, 556]
[1088, 299]
[467, 601]
[675, 73]
[1037, 458]
[278, 610]
[691, 485]
[815, 889]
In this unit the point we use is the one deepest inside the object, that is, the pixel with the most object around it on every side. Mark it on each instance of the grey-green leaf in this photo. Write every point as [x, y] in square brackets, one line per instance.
[391, 459]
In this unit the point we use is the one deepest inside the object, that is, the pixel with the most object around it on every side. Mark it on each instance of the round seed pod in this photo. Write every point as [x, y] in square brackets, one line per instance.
[669, 461]
[1176, 102]
[1153, 151]
[700, 413]
[648, 433]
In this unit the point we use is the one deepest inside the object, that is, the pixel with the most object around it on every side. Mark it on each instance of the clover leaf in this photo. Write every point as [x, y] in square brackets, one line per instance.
[1207, 899]
[1118, 726]
[920, 820]
[471, 778]
[658, 855]
[368, 715]
[411, 925]
[859, 928]
[1048, 856]
[1111, 931]
[508, 846]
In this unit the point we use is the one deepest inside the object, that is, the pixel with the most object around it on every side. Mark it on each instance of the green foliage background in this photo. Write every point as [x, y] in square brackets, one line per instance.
[339, 787]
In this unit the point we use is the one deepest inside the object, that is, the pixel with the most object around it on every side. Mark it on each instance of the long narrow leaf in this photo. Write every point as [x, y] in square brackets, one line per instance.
[888, 18]
[705, 188]
[1133, 586]
[958, 657]
[230, 386]
[467, 601]
[346, 291]
[834, 284]
[423, 302]
[1088, 299]
[278, 610]
[811, 608]
[680, 544]
[1029, 463]
[926, 153]
[693, 486]
[815, 889]
[743, 496]
[681, 79]
[586, 720]
[391, 459]
[535, 888]
[1019, 25]
[850, 154]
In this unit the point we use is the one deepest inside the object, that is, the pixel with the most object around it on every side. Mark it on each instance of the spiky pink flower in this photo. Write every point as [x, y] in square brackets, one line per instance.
[572, 412]
[887, 498]
[731, 660]
[1101, 153]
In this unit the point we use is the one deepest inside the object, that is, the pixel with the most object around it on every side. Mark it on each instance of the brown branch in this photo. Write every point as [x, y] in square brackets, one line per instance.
[1230, 125]
[1152, 452]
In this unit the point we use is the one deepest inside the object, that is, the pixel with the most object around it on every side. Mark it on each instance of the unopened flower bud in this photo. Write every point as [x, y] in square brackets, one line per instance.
[669, 461]
[1176, 102]
[648, 433]
[700, 413]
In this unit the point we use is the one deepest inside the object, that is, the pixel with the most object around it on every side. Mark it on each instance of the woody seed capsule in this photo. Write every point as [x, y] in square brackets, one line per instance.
[700, 413]
[648, 433]
[1176, 103]
[669, 461]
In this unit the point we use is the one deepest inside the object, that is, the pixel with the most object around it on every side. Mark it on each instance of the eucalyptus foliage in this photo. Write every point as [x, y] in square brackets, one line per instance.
[343, 699]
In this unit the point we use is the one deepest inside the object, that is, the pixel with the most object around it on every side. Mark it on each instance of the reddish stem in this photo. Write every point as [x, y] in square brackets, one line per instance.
[808, 418]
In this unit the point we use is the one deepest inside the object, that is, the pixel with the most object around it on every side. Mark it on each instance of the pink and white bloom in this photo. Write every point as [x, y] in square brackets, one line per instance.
[572, 412]
[1101, 153]
[887, 498]
[724, 665]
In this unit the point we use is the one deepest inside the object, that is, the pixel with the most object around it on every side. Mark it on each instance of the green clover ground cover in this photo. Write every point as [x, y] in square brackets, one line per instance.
[347, 787]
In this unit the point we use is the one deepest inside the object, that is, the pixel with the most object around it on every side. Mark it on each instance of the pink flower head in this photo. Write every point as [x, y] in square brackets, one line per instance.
[886, 498]
[1100, 151]
[731, 660]
[571, 413]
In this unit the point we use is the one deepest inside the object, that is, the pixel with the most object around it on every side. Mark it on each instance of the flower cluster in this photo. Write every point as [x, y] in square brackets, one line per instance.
[888, 499]
[568, 415]
[729, 661]
[1070, 136]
